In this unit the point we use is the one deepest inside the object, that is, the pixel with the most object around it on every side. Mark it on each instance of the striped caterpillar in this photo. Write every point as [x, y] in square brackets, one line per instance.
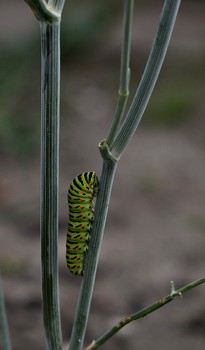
[81, 192]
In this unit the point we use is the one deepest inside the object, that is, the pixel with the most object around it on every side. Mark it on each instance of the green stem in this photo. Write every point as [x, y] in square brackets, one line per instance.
[149, 77]
[56, 4]
[4, 329]
[101, 209]
[42, 11]
[124, 70]
[49, 16]
[50, 90]
[109, 167]
[142, 313]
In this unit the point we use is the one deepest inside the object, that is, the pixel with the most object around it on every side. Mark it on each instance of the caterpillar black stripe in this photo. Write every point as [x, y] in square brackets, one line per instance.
[81, 192]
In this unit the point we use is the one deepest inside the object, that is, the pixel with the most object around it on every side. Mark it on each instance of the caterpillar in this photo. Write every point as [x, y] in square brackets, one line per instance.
[81, 192]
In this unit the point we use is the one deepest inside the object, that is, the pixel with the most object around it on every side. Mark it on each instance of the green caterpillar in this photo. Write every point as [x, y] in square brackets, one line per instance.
[82, 190]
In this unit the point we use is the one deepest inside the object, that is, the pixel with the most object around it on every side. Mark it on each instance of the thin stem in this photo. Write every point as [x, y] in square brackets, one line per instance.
[149, 77]
[124, 70]
[4, 329]
[83, 307]
[50, 90]
[126, 44]
[142, 313]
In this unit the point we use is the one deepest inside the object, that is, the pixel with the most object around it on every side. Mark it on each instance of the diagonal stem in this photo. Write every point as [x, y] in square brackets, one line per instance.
[142, 313]
[149, 78]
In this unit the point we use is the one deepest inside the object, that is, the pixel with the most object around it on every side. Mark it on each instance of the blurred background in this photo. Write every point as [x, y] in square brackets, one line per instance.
[156, 224]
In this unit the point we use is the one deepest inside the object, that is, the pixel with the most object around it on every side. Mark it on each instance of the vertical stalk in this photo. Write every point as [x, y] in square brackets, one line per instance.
[84, 301]
[124, 70]
[50, 96]
[4, 329]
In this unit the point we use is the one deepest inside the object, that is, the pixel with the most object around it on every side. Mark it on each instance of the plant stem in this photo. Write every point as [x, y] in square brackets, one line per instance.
[56, 4]
[124, 70]
[84, 301]
[149, 77]
[4, 329]
[50, 91]
[142, 313]
[49, 16]
[42, 11]
[102, 204]
[111, 155]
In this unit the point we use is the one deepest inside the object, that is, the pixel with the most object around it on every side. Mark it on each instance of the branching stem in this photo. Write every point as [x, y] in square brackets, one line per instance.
[42, 11]
[149, 77]
[112, 150]
[144, 312]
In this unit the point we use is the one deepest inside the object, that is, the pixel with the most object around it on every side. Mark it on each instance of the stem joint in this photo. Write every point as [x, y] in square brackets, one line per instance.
[106, 152]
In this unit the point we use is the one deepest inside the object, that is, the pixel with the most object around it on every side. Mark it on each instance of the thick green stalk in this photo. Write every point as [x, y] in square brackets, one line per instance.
[50, 92]
[142, 313]
[49, 16]
[83, 307]
[124, 70]
[4, 329]
[149, 77]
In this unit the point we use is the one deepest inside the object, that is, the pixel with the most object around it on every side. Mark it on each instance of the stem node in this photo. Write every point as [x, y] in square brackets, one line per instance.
[106, 153]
